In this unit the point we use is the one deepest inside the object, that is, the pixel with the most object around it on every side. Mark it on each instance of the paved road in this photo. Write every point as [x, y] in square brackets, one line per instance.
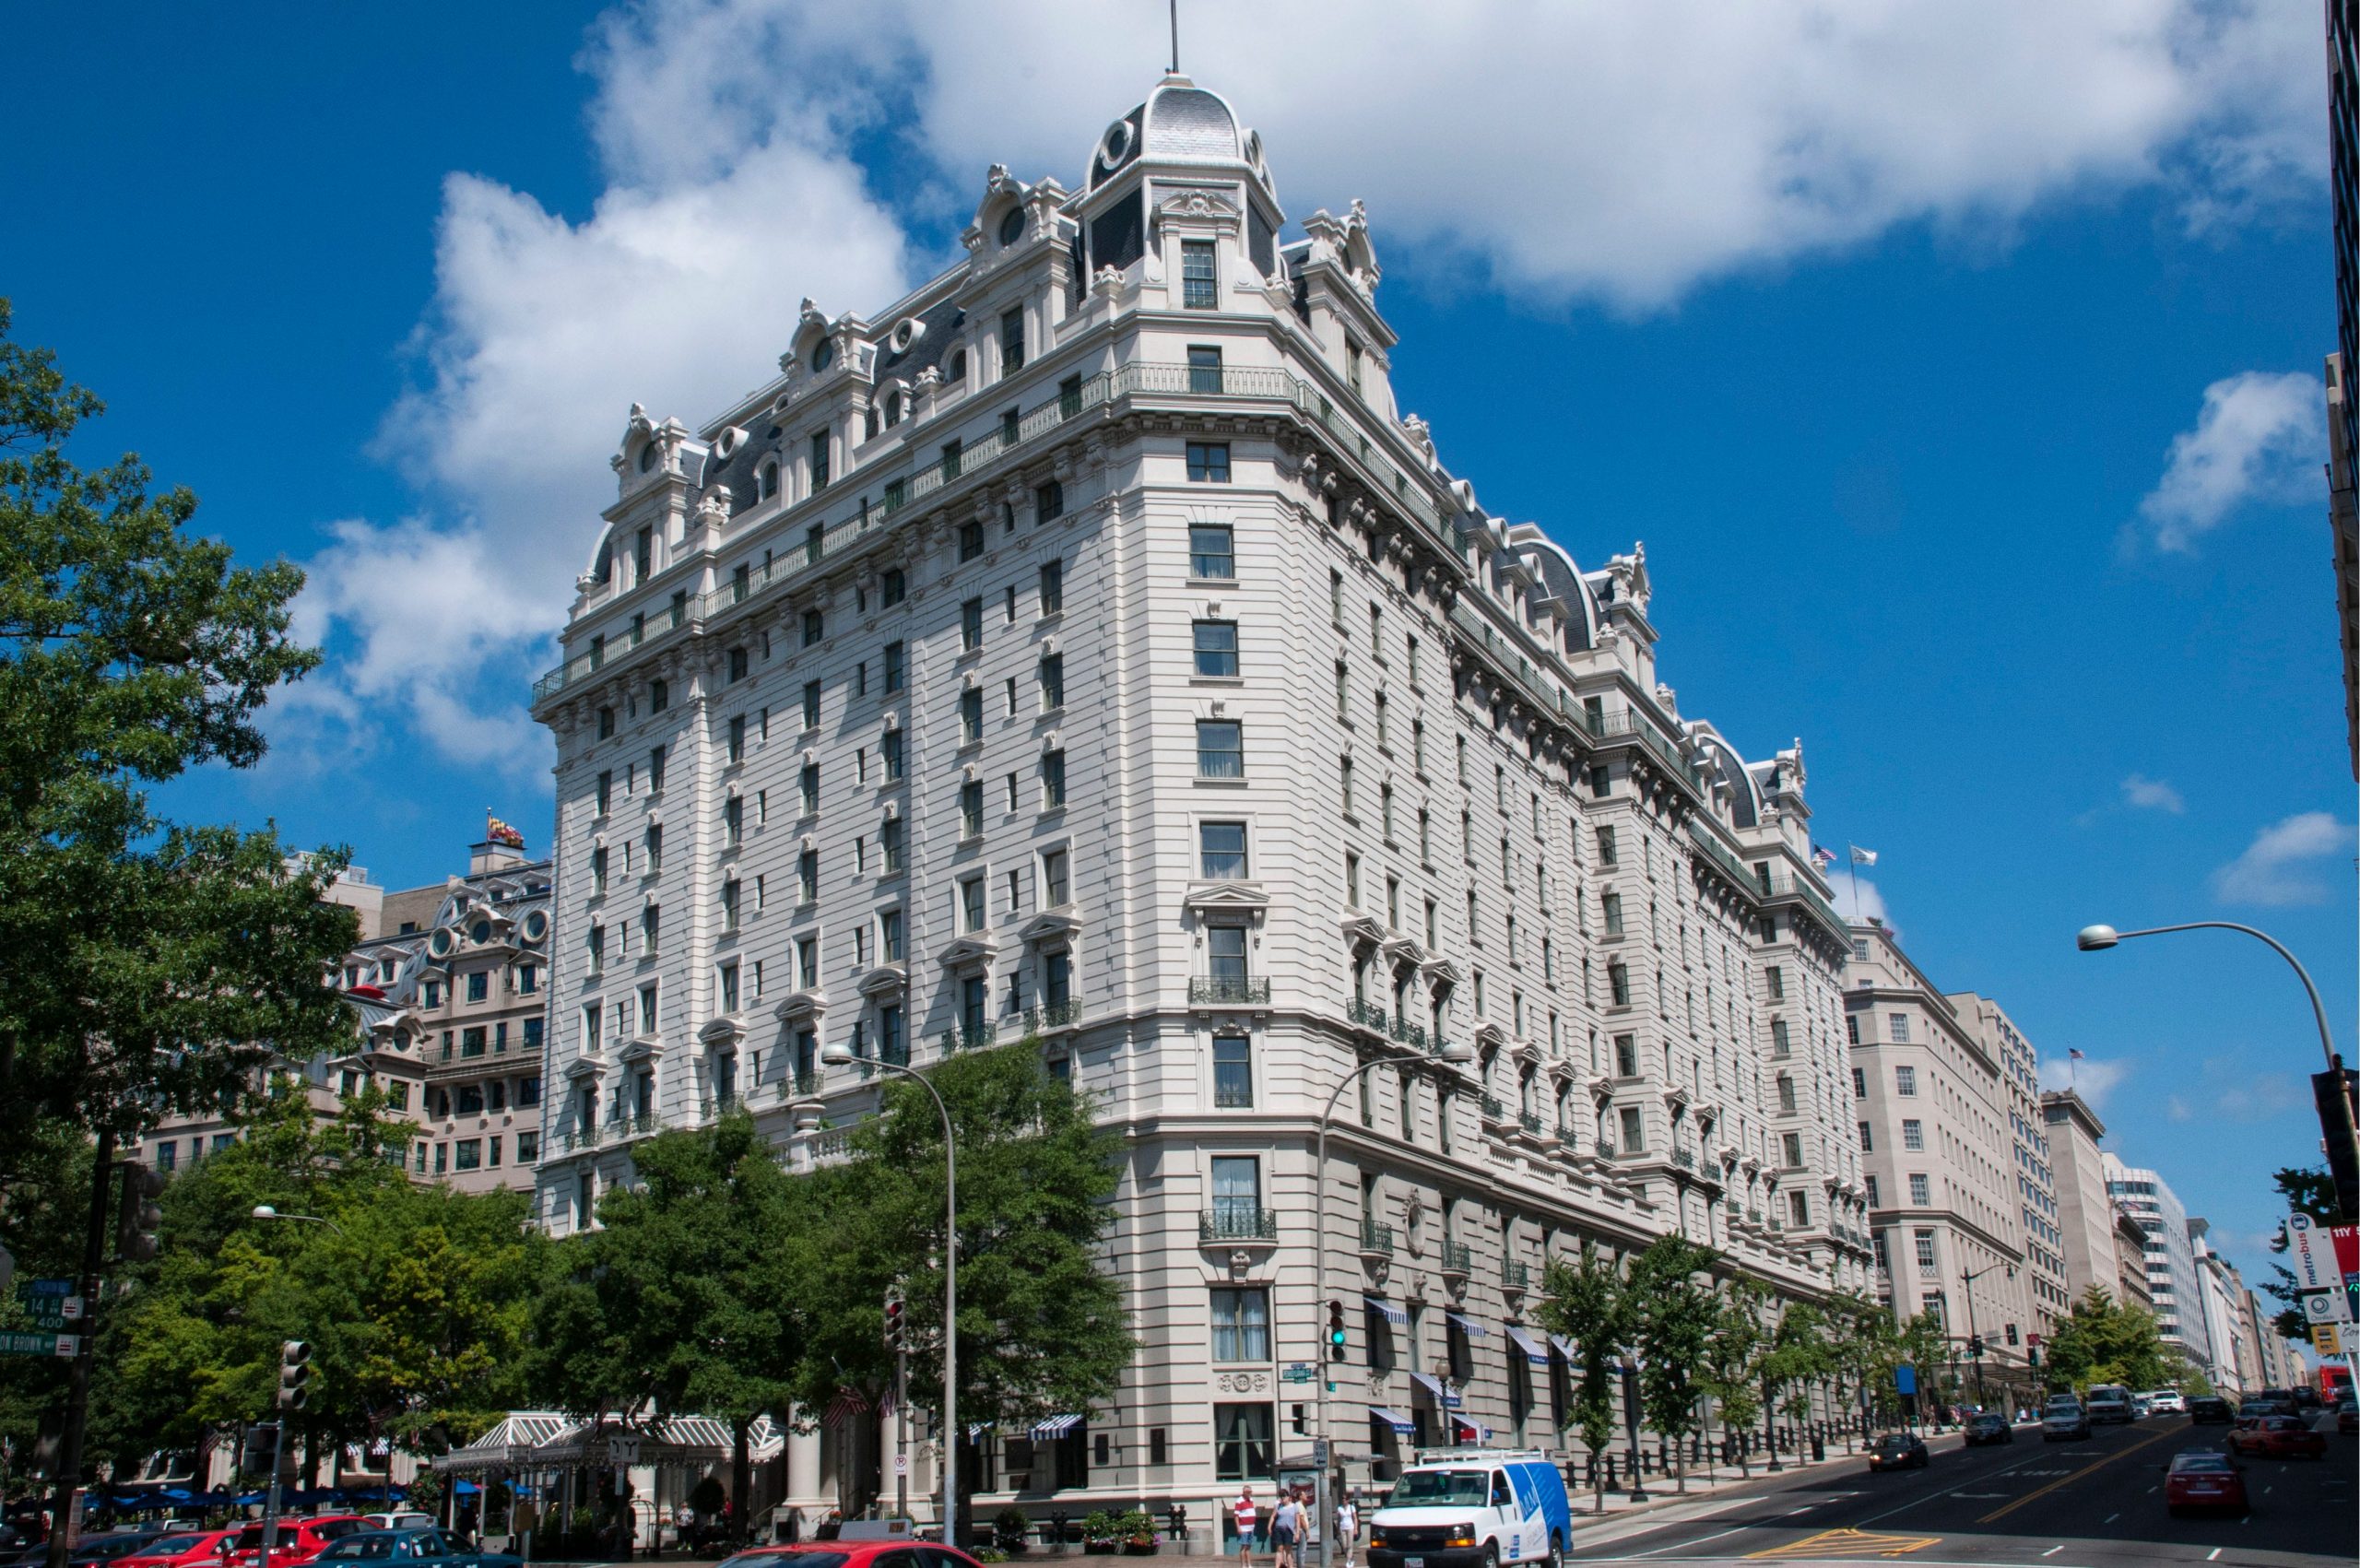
[2026, 1505]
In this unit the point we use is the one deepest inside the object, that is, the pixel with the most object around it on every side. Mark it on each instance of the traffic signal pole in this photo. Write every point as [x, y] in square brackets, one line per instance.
[65, 1515]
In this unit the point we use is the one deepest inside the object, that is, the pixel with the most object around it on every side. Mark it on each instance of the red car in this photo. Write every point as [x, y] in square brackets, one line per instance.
[183, 1549]
[902, 1553]
[299, 1540]
[2279, 1437]
[2203, 1478]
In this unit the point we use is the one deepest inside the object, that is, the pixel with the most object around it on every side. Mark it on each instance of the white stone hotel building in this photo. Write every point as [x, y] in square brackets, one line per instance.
[1087, 647]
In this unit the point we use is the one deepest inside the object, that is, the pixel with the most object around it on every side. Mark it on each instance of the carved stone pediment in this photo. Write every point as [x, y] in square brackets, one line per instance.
[885, 980]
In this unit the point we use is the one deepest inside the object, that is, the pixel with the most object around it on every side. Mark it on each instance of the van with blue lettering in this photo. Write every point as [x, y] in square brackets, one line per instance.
[1472, 1508]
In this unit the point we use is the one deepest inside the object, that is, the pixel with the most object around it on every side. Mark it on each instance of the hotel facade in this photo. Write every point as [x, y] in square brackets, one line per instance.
[1087, 654]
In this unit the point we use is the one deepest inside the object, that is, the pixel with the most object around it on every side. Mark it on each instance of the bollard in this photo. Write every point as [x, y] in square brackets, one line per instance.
[1818, 1449]
[1610, 1473]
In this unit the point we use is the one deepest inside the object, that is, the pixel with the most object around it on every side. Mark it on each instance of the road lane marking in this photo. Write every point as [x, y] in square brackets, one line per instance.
[1929, 1497]
[2037, 1491]
[1846, 1544]
[2212, 1555]
[2054, 1549]
[2110, 1518]
[1698, 1541]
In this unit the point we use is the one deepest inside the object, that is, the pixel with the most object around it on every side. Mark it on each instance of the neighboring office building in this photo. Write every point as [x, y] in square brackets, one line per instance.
[2029, 1165]
[1089, 647]
[447, 989]
[2342, 410]
[1932, 1104]
[2131, 1285]
[2270, 1352]
[2170, 1256]
[2222, 1291]
[2087, 1216]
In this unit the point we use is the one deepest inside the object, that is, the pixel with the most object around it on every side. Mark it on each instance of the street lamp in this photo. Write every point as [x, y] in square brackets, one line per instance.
[1458, 1055]
[1973, 1339]
[839, 1055]
[264, 1211]
[2339, 1130]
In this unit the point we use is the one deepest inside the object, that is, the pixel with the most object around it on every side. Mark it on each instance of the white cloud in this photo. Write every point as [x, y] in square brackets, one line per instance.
[2144, 794]
[2278, 866]
[2257, 440]
[1857, 901]
[1617, 155]
[2094, 1079]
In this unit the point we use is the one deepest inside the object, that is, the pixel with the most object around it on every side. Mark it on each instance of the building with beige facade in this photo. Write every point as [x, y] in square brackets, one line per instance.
[2086, 1212]
[1087, 653]
[2029, 1166]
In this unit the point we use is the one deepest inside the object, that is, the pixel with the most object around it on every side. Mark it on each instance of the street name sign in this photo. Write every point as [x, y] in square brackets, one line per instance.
[1905, 1379]
[62, 1346]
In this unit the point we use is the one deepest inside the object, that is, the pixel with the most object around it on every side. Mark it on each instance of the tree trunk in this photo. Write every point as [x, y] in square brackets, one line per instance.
[740, 1478]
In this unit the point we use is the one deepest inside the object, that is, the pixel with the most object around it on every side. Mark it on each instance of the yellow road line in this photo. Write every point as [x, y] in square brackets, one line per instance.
[1845, 1543]
[2007, 1508]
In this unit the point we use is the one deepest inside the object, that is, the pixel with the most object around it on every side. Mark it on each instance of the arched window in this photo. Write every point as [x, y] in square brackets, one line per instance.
[647, 458]
[957, 370]
[605, 569]
[892, 409]
[1011, 228]
[769, 480]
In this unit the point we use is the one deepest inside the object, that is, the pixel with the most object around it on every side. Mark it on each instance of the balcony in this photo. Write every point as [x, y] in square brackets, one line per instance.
[1437, 1047]
[1784, 885]
[1410, 1035]
[1530, 1121]
[1237, 1223]
[1457, 1260]
[644, 1124]
[1495, 1111]
[1377, 1239]
[1754, 1217]
[1603, 1149]
[1056, 1015]
[1568, 1134]
[909, 479]
[1232, 991]
[1515, 1277]
[803, 1085]
[577, 1138]
[1683, 1157]
[1367, 1015]
[969, 1037]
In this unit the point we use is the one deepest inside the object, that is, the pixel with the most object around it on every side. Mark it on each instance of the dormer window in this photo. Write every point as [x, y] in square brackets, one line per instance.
[769, 481]
[1198, 285]
[1011, 228]
[957, 370]
[647, 458]
[823, 354]
[892, 409]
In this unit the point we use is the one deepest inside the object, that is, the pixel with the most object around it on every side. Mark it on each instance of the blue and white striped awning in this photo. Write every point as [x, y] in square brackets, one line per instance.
[1534, 1350]
[1402, 1425]
[1395, 1315]
[1565, 1349]
[1436, 1388]
[1468, 1323]
[1055, 1426]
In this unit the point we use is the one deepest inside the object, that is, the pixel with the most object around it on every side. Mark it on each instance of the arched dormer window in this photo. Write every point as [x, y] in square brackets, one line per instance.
[892, 409]
[770, 479]
[957, 370]
[1011, 227]
[647, 458]
[603, 571]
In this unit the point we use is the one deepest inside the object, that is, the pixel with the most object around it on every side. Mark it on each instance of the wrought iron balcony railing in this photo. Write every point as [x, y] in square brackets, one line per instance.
[1237, 1223]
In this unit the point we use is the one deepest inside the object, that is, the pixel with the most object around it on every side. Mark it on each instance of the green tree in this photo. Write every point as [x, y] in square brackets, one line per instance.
[2104, 1340]
[1861, 1335]
[1583, 1301]
[1672, 1316]
[146, 959]
[1730, 1370]
[688, 1297]
[1041, 1328]
[1797, 1357]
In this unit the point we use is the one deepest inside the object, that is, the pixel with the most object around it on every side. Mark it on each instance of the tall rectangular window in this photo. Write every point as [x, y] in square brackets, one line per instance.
[1913, 1134]
[1055, 891]
[895, 753]
[1904, 1080]
[971, 808]
[1053, 780]
[971, 626]
[1233, 1071]
[1220, 749]
[1220, 850]
[970, 715]
[1204, 370]
[806, 876]
[1011, 341]
[892, 838]
[972, 914]
[1922, 1190]
[1216, 644]
[819, 461]
[897, 666]
[1053, 588]
[1199, 287]
[888, 935]
[1241, 1324]
[738, 738]
[1212, 552]
[1052, 681]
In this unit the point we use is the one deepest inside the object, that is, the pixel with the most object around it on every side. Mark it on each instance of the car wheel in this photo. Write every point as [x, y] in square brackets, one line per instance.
[1491, 1555]
[1556, 1551]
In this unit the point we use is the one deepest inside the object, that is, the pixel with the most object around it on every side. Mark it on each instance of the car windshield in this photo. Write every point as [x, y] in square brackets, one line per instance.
[1896, 1440]
[377, 1544]
[1423, 1488]
[171, 1546]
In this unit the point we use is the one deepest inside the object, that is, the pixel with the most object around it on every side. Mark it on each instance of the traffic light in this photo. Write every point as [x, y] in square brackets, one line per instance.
[262, 1449]
[2033, 1357]
[1335, 1331]
[1975, 1347]
[294, 1373]
[897, 1322]
[135, 1221]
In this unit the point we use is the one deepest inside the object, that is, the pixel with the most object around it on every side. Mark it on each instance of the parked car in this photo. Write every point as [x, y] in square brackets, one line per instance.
[2347, 1414]
[298, 1541]
[1898, 1451]
[2204, 1477]
[2278, 1437]
[409, 1549]
[106, 1546]
[180, 1548]
[2166, 1402]
[841, 1554]
[2064, 1421]
[1989, 1428]
[407, 1520]
[2209, 1408]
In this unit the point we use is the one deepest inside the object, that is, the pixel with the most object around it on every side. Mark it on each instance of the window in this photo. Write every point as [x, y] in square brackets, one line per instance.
[971, 539]
[605, 792]
[1634, 1131]
[1215, 647]
[888, 935]
[819, 461]
[1925, 1240]
[1220, 850]
[897, 672]
[655, 845]
[1053, 682]
[1198, 285]
[471, 1043]
[656, 770]
[729, 984]
[1208, 462]
[1874, 1201]
[1053, 588]
[1913, 1136]
[1243, 1446]
[1237, 1195]
[1859, 1083]
[971, 915]
[1048, 503]
[1868, 1140]
[1220, 749]
[729, 904]
[1606, 851]
[815, 629]
[733, 822]
[1054, 889]
[891, 838]
[769, 480]
[1904, 1080]
[1343, 691]
[1897, 1027]
[1922, 1190]
[1204, 370]
[1799, 1208]
[736, 742]
[1790, 1145]
[1225, 955]
[971, 808]
[1776, 979]
[1053, 780]
[1011, 342]
[1212, 552]
[891, 750]
[659, 696]
[894, 587]
[1626, 1056]
[1240, 1325]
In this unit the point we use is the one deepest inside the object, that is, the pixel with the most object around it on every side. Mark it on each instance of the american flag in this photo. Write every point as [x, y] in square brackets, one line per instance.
[849, 1405]
[2075, 1055]
[1821, 857]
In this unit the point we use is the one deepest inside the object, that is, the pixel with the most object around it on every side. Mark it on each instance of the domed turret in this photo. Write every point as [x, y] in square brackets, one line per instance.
[1180, 122]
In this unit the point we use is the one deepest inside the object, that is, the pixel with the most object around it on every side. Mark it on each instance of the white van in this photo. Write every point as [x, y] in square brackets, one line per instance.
[1472, 1508]
[2109, 1402]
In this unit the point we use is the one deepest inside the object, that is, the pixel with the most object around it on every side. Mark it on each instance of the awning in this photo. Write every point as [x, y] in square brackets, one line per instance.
[1534, 1350]
[1435, 1388]
[1565, 1349]
[1468, 1323]
[1055, 1426]
[1395, 1315]
[975, 1431]
[1475, 1429]
[507, 1446]
[1402, 1425]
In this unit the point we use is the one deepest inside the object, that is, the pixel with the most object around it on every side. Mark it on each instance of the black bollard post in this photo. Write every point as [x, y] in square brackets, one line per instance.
[1609, 1472]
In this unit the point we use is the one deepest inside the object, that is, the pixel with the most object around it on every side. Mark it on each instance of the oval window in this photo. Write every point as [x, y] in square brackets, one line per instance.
[1011, 228]
[1117, 144]
[480, 932]
[647, 458]
[535, 925]
[441, 943]
[823, 356]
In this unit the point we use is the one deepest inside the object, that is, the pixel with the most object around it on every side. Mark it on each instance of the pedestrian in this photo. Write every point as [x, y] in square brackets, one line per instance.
[1284, 1522]
[1348, 1526]
[1241, 1513]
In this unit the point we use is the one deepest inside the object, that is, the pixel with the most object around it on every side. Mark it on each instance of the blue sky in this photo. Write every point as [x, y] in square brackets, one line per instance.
[1949, 360]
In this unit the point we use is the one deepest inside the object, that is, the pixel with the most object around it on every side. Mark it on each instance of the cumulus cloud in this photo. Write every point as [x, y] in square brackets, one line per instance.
[2143, 793]
[2093, 1077]
[1570, 154]
[2283, 863]
[2259, 439]
[1857, 901]
[2233, 1091]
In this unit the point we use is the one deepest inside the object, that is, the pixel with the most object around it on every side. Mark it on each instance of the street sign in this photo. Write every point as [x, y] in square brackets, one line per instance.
[2328, 1306]
[48, 1311]
[2327, 1339]
[900, 1464]
[2312, 1255]
[62, 1346]
[1297, 1373]
[1905, 1379]
[1319, 1452]
[46, 1287]
[622, 1450]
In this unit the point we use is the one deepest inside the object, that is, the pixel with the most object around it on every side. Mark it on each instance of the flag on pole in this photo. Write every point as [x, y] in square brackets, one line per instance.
[1822, 858]
[849, 1405]
[2075, 1054]
[1863, 856]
